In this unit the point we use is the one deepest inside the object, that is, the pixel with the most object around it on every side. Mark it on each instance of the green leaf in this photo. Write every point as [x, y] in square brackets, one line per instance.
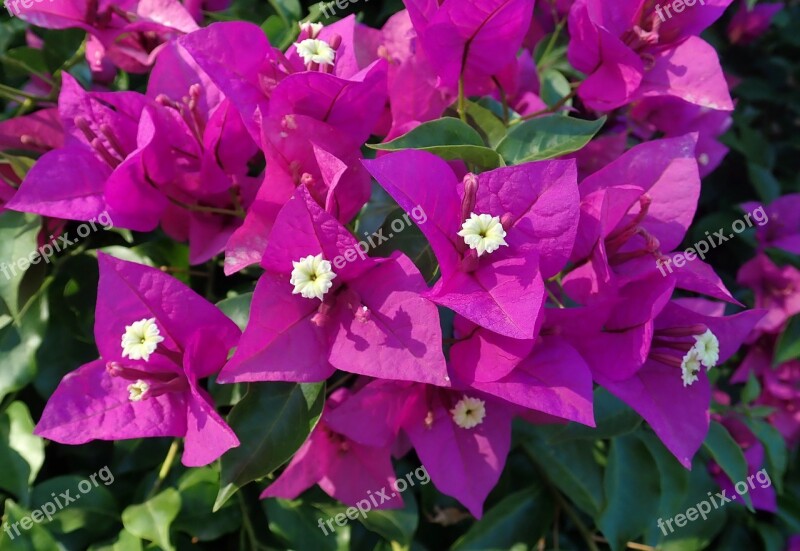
[151, 520]
[298, 525]
[19, 164]
[92, 515]
[18, 346]
[632, 492]
[125, 541]
[237, 309]
[17, 241]
[570, 465]
[777, 456]
[554, 87]
[694, 534]
[728, 455]
[520, 518]
[673, 480]
[198, 489]
[487, 123]
[16, 538]
[272, 421]
[24, 61]
[612, 416]
[289, 10]
[766, 185]
[395, 525]
[21, 453]
[751, 390]
[450, 139]
[546, 138]
[788, 347]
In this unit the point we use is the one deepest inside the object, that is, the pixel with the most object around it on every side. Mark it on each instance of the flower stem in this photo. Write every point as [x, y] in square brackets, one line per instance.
[165, 467]
[462, 101]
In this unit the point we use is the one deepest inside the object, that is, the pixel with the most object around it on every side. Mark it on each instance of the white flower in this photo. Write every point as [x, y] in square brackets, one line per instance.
[312, 29]
[137, 390]
[483, 232]
[690, 367]
[469, 412]
[141, 339]
[312, 277]
[707, 348]
[313, 50]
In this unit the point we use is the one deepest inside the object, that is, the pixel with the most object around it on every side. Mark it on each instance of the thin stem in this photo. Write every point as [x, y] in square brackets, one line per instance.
[585, 532]
[25, 67]
[462, 100]
[248, 527]
[203, 208]
[339, 383]
[504, 100]
[553, 37]
[9, 93]
[552, 109]
[553, 297]
[165, 467]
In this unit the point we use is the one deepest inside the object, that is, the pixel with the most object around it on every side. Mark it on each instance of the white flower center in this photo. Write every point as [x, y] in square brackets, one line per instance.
[312, 277]
[483, 233]
[707, 348]
[137, 390]
[690, 367]
[704, 159]
[469, 412]
[313, 50]
[141, 339]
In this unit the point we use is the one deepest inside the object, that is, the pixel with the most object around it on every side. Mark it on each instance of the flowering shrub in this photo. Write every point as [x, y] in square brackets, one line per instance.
[460, 274]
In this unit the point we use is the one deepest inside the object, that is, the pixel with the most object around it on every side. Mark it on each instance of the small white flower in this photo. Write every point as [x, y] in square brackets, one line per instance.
[313, 50]
[141, 339]
[707, 348]
[137, 390]
[483, 232]
[313, 29]
[690, 367]
[469, 412]
[312, 277]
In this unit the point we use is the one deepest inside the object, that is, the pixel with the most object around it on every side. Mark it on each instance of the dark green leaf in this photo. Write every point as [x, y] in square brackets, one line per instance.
[17, 244]
[198, 489]
[612, 416]
[272, 421]
[546, 138]
[728, 455]
[632, 491]
[450, 139]
[520, 518]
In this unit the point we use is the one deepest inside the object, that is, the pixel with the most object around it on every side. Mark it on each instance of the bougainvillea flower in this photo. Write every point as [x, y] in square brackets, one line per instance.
[347, 470]
[634, 212]
[546, 375]
[371, 320]
[526, 214]
[671, 391]
[783, 229]
[461, 438]
[775, 290]
[415, 96]
[131, 32]
[631, 50]
[673, 117]
[748, 23]
[468, 38]
[149, 389]
[150, 160]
